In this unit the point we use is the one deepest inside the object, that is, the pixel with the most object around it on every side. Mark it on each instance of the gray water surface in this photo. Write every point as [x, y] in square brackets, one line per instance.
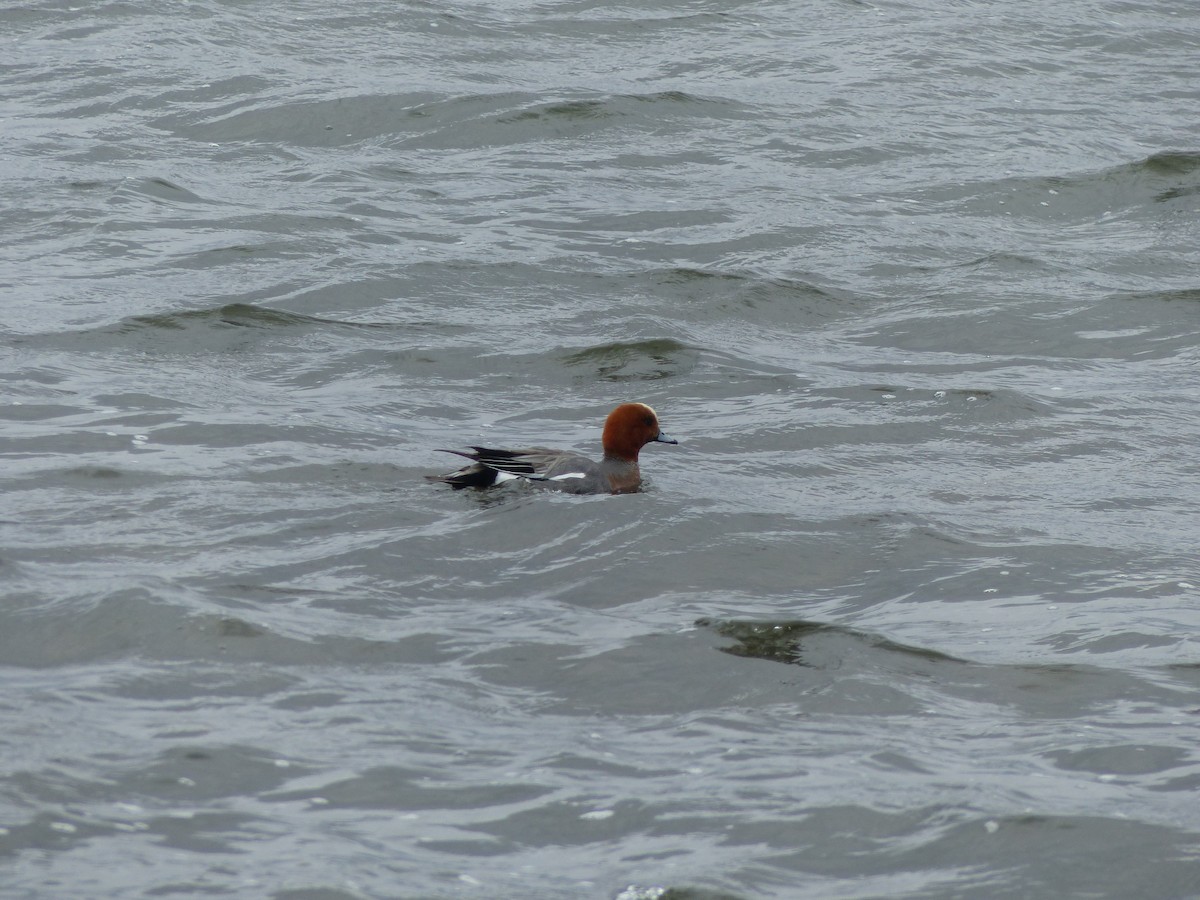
[912, 609]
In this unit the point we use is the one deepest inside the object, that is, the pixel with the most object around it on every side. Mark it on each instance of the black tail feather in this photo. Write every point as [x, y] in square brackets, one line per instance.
[488, 463]
[471, 476]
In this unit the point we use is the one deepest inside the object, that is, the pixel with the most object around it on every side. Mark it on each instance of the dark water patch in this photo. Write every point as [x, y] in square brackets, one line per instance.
[574, 109]
[621, 105]
[234, 328]
[60, 831]
[901, 413]
[202, 772]
[1171, 164]
[157, 625]
[612, 27]
[141, 403]
[1190, 673]
[650, 360]
[423, 120]
[996, 337]
[314, 124]
[104, 477]
[177, 686]
[108, 624]
[211, 94]
[74, 34]
[1163, 177]
[1064, 691]
[675, 893]
[733, 374]
[680, 275]
[785, 642]
[37, 412]
[626, 680]
[749, 298]
[157, 189]
[227, 626]
[1183, 167]
[1040, 854]
[1007, 263]
[391, 787]
[1090, 199]
[1180, 295]
[1106, 642]
[1191, 190]
[529, 119]
[241, 315]
[129, 798]
[207, 832]
[341, 477]
[1124, 759]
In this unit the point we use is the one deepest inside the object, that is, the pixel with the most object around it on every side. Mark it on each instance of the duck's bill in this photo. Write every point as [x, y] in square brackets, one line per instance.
[663, 439]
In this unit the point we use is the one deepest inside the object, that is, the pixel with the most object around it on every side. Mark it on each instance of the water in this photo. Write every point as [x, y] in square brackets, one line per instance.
[910, 612]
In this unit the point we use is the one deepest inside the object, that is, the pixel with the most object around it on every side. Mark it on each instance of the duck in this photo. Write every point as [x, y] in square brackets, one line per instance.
[628, 428]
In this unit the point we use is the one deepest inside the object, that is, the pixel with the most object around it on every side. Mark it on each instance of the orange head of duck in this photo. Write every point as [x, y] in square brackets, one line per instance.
[630, 427]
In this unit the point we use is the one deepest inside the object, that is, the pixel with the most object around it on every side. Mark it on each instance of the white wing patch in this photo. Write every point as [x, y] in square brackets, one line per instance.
[502, 476]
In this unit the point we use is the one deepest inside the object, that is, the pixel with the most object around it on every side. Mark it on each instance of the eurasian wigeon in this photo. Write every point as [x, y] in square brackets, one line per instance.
[627, 429]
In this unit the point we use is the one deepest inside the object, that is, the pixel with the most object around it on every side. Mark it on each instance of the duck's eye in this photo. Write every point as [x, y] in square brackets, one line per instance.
[648, 421]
